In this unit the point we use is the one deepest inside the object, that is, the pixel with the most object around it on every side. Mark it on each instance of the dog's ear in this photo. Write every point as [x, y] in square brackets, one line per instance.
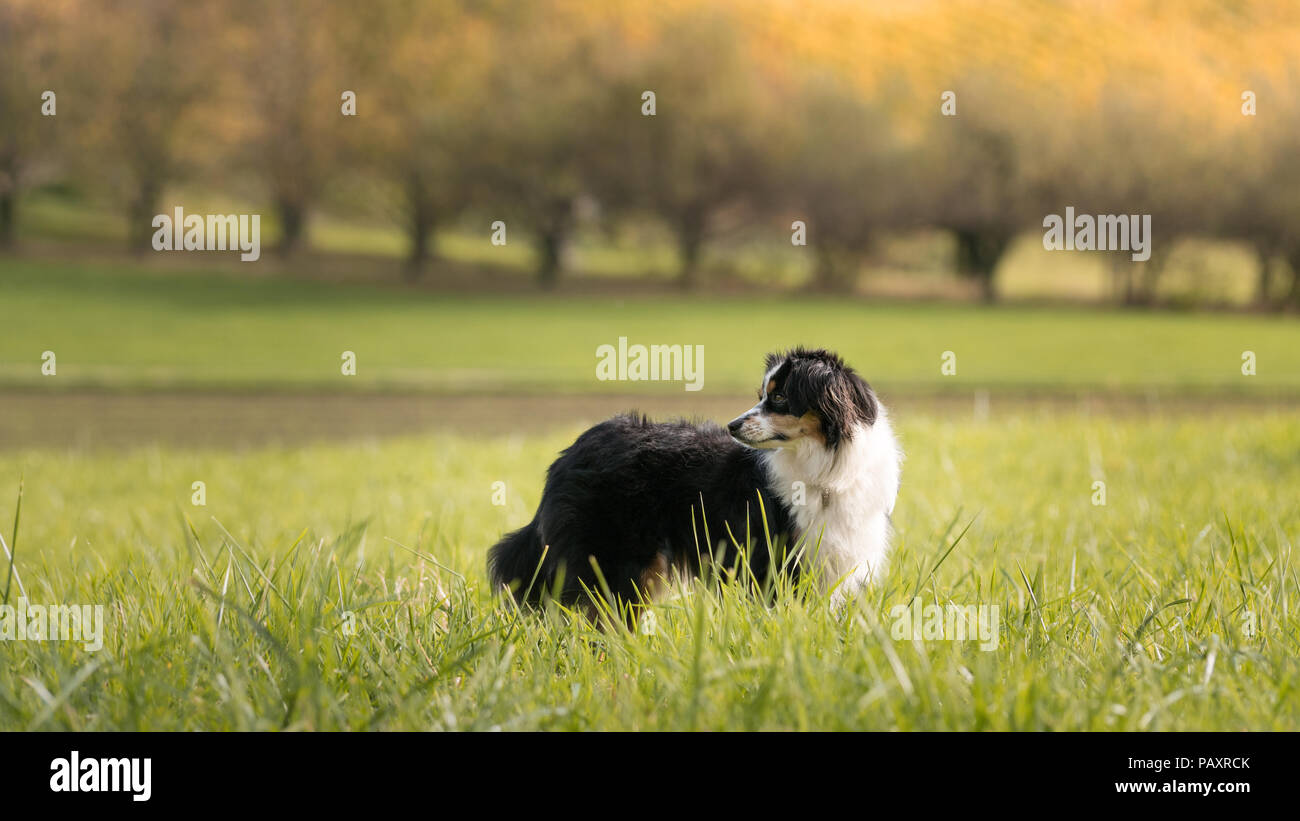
[838, 396]
[772, 360]
[862, 397]
[803, 384]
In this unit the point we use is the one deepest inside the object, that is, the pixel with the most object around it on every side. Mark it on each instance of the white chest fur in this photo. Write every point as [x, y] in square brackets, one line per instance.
[841, 500]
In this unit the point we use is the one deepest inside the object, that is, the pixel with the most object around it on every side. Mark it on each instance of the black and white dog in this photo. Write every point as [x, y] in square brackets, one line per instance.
[644, 501]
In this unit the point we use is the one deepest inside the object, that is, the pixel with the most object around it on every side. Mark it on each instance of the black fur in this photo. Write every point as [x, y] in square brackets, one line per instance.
[819, 381]
[636, 496]
[629, 491]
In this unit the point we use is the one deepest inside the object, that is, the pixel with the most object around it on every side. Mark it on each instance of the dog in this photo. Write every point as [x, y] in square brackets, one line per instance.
[805, 481]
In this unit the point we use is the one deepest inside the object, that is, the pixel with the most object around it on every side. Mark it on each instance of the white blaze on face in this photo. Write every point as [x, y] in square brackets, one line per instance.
[759, 429]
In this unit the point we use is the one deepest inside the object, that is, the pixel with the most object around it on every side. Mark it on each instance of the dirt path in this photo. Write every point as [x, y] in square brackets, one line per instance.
[92, 419]
[89, 419]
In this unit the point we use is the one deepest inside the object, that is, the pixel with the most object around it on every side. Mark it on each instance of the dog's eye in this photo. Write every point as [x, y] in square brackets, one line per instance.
[777, 399]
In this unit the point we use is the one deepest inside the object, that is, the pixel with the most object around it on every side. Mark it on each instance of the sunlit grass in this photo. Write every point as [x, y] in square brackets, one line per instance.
[120, 326]
[1173, 606]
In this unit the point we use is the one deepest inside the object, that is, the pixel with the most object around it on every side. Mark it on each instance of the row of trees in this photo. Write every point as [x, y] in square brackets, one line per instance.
[524, 111]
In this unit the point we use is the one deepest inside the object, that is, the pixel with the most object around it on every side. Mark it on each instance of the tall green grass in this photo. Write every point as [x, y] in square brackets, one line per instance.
[1173, 606]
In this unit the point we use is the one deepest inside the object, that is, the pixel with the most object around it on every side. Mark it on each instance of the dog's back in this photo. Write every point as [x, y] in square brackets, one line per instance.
[640, 499]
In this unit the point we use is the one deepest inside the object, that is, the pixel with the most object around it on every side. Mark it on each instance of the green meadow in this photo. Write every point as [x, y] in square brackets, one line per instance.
[343, 587]
[1140, 560]
[123, 326]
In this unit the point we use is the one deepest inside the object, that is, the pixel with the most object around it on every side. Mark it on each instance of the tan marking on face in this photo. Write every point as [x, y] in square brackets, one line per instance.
[812, 426]
[771, 385]
[796, 427]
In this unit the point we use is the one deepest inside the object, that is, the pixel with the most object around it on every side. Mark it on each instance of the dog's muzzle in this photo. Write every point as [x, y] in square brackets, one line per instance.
[751, 428]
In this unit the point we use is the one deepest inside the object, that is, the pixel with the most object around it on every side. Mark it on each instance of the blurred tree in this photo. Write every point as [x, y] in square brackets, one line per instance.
[513, 110]
[534, 158]
[431, 78]
[972, 170]
[142, 68]
[703, 150]
[295, 74]
[29, 42]
[1259, 199]
[845, 175]
[1138, 163]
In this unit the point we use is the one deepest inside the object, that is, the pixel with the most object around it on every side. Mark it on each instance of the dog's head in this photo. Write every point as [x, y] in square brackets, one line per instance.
[806, 394]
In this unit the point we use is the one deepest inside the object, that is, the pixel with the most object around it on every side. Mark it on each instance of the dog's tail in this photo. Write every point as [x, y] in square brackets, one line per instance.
[514, 564]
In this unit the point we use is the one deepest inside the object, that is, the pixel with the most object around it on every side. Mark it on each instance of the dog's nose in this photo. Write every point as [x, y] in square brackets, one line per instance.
[734, 424]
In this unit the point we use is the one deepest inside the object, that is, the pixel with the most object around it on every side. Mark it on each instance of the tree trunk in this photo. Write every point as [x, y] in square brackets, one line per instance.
[8, 198]
[140, 213]
[551, 240]
[293, 221]
[690, 238]
[1126, 277]
[550, 246]
[8, 209]
[421, 229]
[1264, 274]
[421, 249]
[978, 254]
[1293, 295]
[1150, 271]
